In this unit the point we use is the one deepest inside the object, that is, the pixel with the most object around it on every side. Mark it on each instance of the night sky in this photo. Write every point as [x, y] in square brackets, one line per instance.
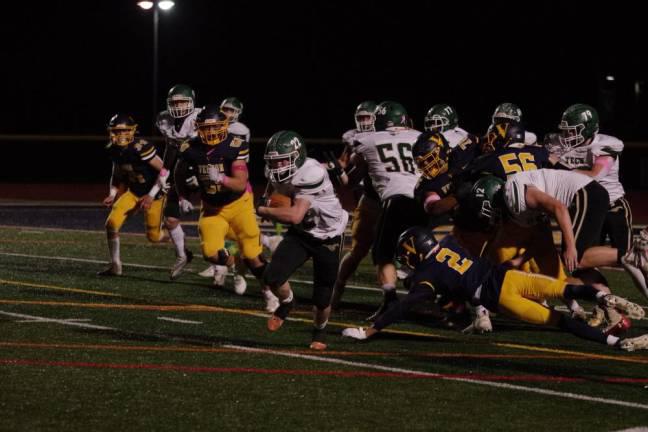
[305, 65]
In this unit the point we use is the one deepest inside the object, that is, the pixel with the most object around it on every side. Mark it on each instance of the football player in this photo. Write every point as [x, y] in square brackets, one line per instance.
[387, 156]
[597, 155]
[134, 185]
[219, 159]
[233, 108]
[177, 125]
[506, 112]
[436, 191]
[365, 214]
[317, 222]
[447, 269]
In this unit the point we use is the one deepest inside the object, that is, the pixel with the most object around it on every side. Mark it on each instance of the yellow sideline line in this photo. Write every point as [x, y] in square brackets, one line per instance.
[205, 308]
[58, 288]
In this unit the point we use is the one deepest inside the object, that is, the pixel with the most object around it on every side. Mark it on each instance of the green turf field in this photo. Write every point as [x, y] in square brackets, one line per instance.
[140, 352]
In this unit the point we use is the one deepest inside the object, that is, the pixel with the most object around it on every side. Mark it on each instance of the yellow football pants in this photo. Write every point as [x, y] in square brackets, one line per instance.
[239, 216]
[521, 293]
[126, 206]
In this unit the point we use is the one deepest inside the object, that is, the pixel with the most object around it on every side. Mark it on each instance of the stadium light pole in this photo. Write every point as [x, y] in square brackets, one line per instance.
[156, 5]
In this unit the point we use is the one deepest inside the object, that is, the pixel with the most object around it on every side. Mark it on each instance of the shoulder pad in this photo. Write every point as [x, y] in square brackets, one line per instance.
[310, 176]
[238, 128]
[607, 145]
[348, 136]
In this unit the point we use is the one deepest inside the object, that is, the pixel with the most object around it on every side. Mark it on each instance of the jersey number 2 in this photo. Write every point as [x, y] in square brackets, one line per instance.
[453, 260]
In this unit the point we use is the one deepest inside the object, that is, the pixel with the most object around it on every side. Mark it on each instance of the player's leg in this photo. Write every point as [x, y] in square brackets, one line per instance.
[398, 214]
[326, 261]
[363, 229]
[212, 228]
[120, 211]
[172, 224]
[153, 221]
[291, 254]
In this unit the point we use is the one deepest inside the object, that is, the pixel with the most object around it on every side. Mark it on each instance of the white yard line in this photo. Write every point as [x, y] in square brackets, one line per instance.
[146, 266]
[545, 392]
[178, 320]
[55, 321]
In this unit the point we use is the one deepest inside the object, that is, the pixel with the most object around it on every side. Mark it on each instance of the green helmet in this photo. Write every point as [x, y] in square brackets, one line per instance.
[364, 116]
[440, 118]
[579, 123]
[181, 101]
[282, 147]
[487, 199]
[390, 114]
[232, 107]
[507, 111]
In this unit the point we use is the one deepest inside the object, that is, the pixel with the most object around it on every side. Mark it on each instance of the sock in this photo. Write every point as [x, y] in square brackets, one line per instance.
[178, 239]
[289, 298]
[612, 340]
[582, 330]
[265, 241]
[113, 247]
[320, 326]
[573, 305]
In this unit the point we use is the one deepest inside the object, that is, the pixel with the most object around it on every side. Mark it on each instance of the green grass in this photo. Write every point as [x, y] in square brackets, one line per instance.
[149, 374]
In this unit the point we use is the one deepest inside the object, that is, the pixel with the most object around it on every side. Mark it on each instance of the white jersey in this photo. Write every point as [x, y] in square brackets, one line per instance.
[167, 125]
[388, 155]
[455, 136]
[325, 218]
[239, 129]
[559, 184]
[351, 136]
[583, 157]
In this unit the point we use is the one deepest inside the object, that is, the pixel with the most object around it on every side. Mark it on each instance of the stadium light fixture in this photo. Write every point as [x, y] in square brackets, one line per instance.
[165, 4]
[609, 78]
[156, 6]
[146, 5]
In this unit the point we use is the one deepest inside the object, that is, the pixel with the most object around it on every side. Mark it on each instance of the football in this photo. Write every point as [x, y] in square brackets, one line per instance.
[277, 200]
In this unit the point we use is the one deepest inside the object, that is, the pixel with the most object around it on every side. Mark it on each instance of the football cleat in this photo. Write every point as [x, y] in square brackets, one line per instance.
[272, 301]
[619, 327]
[240, 284]
[319, 339]
[632, 310]
[389, 297]
[219, 276]
[357, 333]
[208, 272]
[597, 318]
[279, 316]
[275, 323]
[634, 344]
[180, 264]
[114, 269]
[635, 262]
